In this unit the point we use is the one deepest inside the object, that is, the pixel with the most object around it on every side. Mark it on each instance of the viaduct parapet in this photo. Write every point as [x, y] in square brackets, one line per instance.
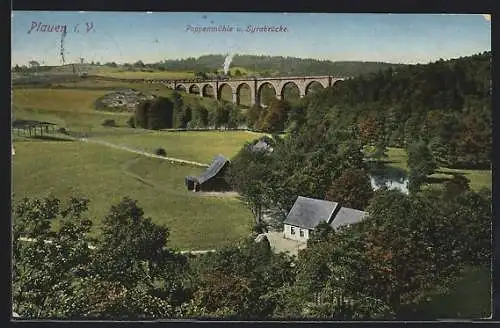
[214, 87]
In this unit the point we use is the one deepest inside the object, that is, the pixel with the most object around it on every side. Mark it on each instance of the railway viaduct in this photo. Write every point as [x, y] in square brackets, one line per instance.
[214, 87]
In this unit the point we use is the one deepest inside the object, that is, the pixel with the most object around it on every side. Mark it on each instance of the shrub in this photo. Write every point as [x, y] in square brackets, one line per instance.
[259, 228]
[131, 122]
[109, 122]
[160, 152]
[62, 130]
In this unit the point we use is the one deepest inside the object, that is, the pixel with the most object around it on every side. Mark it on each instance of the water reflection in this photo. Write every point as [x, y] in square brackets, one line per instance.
[386, 176]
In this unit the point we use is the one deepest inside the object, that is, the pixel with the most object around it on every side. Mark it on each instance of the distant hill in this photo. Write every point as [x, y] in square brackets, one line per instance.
[45, 71]
[277, 65]
[264, 66]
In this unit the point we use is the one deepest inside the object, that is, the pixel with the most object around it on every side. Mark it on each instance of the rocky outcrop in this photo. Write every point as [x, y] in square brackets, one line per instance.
[122, 100]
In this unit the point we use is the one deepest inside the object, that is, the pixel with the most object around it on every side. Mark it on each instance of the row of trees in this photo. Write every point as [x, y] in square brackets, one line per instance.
[314, 163]
[400, 247]
[327, 137]
[447, 104]
[273, 118]
[408, 246]
[275, 65]
[174, 112]
[261, 65]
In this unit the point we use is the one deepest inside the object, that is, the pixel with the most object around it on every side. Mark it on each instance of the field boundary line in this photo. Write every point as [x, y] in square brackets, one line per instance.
[137, 151]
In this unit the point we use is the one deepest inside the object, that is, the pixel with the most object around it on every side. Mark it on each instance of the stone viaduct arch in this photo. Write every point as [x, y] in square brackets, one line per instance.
[255, 85]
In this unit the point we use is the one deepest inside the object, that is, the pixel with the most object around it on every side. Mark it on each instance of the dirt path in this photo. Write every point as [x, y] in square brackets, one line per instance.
[280, 244]
[124, 169]
[223, 194]
[149, 183]
[143, 153]
[135, 151]
[198, 252]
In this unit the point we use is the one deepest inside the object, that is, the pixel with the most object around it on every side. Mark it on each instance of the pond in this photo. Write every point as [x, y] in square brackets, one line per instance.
[386, 176]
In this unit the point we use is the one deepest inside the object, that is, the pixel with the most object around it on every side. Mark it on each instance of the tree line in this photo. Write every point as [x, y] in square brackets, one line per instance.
[338, 129]
[446, 104]
[175, 112]
[408, 246]
[261, 65]
[276, 65]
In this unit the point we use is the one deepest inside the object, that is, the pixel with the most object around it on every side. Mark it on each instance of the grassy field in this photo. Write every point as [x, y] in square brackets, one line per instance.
[66, 168]
[105, 175]
[117, 73]
[95, 83]
[82, 122]
[156, 89]
[75, 108]
[189, 145]
[56, 106]
[72, 100]
[478, 178]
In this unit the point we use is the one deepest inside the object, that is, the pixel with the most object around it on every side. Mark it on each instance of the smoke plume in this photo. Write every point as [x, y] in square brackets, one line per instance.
[227, 63]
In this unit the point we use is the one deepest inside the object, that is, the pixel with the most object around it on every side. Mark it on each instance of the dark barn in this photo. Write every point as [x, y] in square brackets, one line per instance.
[212, 179]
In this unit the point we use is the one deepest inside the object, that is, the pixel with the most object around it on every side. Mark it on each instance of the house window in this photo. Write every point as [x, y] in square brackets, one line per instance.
[301, 233]
[292, 230]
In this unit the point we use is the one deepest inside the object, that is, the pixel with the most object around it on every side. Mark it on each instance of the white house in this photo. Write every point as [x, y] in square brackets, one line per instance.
[307, 213]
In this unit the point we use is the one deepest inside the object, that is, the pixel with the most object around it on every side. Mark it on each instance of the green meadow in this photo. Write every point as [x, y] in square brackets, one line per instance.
[105, 176]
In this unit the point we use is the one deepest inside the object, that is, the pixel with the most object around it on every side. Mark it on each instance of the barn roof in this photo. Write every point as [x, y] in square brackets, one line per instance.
[214, 168]
[347, 216]
[309, 212]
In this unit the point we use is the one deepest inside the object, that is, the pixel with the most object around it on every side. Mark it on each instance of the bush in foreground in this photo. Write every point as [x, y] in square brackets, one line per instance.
[109, 122]
[160, 152]
[62, 130]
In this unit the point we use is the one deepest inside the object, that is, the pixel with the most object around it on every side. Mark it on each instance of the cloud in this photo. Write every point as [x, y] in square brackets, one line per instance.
[487, 17]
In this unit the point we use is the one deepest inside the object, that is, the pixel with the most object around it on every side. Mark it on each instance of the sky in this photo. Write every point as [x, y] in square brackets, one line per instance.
[152, 37]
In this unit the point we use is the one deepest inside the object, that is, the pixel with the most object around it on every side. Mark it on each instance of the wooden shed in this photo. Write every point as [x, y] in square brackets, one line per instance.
[213, 179]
